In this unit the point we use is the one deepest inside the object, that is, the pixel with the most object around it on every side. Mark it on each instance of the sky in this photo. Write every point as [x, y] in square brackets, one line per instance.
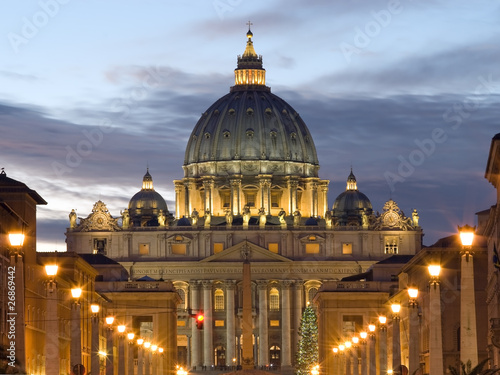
[406, 92]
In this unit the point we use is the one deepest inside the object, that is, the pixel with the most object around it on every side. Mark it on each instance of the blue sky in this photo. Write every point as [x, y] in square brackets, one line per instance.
[406, 92]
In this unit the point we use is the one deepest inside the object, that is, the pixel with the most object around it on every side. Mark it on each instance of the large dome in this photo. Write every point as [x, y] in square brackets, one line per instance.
[250, 131]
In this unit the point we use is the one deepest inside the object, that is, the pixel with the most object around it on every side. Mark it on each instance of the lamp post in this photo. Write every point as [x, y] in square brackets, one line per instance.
[335, 361]
[154, 363]
[371, 350]
[355, 358]
[130, 353]
[382, 345]
[348, 354]
[147, 359]
[341, 361]
[121, 349]
[94, 355]
[435, 336]
[468, 332]
[140, 356]
[413, 331]
[363, 335]
[52, 324]
[160, 353]
[396, 339]
[109, 345]
[76, 334]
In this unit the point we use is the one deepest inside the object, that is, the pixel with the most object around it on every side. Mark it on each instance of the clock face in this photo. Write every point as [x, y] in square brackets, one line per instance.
[391, 219]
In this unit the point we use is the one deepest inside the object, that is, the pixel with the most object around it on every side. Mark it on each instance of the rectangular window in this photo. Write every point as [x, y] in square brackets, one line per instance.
[218, 247]
[181, 323]
[225, 198]
[312, 248]
[250, 198]
[275, 198]
[99, 245]
[274, 323]
[143, 249]
[219, 323]
[179, 248]
[391, 245]
[347, 248]
[273, 247]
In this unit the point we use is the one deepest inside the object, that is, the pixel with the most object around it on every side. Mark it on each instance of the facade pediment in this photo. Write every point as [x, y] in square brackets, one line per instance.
[246, 250]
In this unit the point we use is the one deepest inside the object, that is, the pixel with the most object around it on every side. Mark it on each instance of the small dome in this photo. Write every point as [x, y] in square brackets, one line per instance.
[351, 205]
[311, 221]
[146, 204]
[183, 222]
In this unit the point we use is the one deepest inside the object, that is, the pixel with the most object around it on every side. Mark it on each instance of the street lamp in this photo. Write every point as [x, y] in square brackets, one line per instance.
[435, 336]
[414, 331]
[382, 344]
[94, 357]
[76, 334]
[52, 331]
[109, 345]
[396, 339]
[468, 331]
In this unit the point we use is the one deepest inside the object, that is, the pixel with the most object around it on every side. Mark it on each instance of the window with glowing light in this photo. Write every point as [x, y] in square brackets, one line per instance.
[391, 245]
[219, 299]
[274, 299]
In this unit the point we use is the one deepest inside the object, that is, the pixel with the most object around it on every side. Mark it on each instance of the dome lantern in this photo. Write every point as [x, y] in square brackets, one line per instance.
[249, 71]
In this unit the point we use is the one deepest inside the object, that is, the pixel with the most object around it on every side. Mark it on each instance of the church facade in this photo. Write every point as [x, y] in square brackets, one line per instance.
[250, 190]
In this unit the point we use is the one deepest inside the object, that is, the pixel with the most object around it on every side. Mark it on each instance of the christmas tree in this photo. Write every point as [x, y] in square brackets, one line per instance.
[307, 355]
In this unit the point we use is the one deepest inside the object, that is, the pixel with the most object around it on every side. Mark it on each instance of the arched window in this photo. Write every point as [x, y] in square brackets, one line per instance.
[219, 299]
[274, 299]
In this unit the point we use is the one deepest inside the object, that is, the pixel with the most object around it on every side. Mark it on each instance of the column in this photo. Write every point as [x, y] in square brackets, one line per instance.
[314, 198]
[265, 192]
[435, 335]
[76, 335]
[299, 305]
[178, 196]
[286, 352]
[348, 355]
[195, 333]
[468, 333]
[235, 195]
[147, 360]
[52, 331]
[208, 346]
[324, 198]
[130, 361]
[292, 187]
[230, 322]
[208, 185]
[263, 324]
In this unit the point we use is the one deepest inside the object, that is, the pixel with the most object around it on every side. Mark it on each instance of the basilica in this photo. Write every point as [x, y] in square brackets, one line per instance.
[250, 190]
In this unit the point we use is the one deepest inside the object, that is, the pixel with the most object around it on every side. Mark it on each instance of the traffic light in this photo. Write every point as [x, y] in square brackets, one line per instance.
[199, 321]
